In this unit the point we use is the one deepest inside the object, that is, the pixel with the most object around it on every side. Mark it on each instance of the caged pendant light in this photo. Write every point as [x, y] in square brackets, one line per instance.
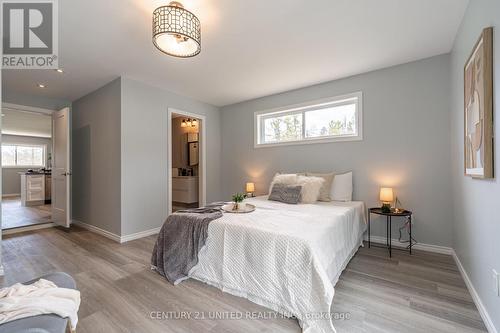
[176, 31]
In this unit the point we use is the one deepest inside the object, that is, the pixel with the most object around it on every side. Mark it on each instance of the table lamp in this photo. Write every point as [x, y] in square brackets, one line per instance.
[250, 189]
[386, 196]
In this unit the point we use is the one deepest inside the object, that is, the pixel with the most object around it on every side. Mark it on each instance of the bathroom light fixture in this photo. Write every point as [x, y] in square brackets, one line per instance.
[41, 85]
[59, 71]
[176, 31]
[189, 122]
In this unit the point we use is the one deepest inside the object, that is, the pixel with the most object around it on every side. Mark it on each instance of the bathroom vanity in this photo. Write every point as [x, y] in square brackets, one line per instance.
[185, 189]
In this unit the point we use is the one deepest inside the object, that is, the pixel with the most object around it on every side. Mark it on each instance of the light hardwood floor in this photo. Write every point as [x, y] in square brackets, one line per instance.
[419, 293]
[14, 215]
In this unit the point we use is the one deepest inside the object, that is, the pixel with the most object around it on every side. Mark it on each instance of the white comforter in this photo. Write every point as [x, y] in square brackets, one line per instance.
[285, 257]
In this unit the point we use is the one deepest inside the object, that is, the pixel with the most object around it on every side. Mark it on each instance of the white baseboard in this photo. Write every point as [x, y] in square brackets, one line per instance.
[28, 228]
[11, 195]
[138, 235]
[475, 296]
[418, 246]
[97, 230]
[115, 237]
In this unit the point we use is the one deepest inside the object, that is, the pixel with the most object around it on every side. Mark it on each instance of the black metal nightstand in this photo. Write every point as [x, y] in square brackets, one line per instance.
[378, 211]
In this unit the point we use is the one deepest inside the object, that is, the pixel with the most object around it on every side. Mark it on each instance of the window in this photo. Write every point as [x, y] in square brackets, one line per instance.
[327, 120]
[14, 155]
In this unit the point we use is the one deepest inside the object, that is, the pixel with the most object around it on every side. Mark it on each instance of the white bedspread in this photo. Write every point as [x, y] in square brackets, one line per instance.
[285, 257]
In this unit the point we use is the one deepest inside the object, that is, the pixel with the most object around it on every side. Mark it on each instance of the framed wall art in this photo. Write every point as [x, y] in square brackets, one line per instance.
[478, 108]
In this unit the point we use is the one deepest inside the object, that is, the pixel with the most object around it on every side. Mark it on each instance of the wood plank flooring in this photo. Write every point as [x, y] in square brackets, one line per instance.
[419, 293]
[14, 215]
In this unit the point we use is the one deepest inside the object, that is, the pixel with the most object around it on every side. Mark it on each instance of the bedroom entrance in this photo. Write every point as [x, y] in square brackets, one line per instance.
[35, 159]
[186, 157]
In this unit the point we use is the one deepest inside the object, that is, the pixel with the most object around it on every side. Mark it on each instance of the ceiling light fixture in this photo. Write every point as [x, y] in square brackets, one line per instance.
[41, 85]
[176, 31]
[59, 70]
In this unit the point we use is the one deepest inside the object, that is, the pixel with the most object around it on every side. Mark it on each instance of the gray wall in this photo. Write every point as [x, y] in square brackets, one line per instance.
[11, 181]
[476, 223]
[96, 158]
[406, 143]
[144, 152]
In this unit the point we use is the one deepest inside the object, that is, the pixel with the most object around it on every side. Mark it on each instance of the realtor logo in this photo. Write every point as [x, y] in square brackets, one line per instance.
[30, 38]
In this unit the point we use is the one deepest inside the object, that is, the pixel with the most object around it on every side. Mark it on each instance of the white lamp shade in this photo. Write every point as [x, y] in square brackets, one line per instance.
[250, 187]
[386, 194]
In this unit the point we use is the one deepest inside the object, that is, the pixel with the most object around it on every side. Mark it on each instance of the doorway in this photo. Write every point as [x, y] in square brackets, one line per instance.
[35, 143]
[186, 160]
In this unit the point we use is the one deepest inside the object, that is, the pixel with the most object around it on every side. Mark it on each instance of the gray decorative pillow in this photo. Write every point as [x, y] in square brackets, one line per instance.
[290, 194]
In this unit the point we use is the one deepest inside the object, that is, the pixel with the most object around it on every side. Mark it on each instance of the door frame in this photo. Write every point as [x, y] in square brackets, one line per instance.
[27, 109]
[202, 166]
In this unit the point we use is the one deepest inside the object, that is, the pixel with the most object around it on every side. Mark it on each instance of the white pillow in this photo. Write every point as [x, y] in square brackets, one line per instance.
[311, 187]
[342, 187]
[284, 178]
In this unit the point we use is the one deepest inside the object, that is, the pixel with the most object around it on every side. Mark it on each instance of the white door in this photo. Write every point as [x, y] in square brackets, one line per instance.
[60, 168]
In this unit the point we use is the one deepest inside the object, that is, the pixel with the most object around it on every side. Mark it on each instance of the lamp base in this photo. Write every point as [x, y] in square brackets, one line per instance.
[386, 208]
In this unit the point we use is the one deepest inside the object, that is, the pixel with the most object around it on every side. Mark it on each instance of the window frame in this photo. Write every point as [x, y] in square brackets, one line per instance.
[17, 166]
[260, 116]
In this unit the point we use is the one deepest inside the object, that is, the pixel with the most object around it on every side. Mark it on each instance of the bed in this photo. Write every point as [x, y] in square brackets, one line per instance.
[285, 257]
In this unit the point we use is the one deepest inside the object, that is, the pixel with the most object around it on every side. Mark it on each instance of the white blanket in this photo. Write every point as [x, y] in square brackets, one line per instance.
[42, 297]
[285, 257]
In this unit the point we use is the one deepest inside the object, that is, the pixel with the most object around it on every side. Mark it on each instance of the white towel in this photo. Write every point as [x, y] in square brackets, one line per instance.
[42, 297]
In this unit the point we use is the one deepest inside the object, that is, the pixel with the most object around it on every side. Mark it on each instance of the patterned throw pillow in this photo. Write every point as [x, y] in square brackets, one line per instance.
[290, 194]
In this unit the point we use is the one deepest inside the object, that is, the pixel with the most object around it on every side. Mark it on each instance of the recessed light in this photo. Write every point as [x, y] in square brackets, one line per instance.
[41, 85]
[59, 70]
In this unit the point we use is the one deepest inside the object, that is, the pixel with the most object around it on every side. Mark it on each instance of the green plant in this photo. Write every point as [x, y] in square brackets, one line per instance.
[239, 197]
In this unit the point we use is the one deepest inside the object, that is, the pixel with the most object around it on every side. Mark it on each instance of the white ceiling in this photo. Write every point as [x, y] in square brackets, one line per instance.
[249, 48]
[15, 122]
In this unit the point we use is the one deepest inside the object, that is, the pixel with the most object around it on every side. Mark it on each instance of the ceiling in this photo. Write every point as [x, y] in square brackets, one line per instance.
[249, 48]
[15, 122]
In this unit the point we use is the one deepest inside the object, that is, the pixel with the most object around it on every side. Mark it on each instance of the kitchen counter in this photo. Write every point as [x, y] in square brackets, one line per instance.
[35, 173]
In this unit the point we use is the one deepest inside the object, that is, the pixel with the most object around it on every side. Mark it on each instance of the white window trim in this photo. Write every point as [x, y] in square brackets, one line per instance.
[43, 146]
[290, 109]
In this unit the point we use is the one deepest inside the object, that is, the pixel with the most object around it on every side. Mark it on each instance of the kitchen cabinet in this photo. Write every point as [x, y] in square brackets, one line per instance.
[32, 189]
